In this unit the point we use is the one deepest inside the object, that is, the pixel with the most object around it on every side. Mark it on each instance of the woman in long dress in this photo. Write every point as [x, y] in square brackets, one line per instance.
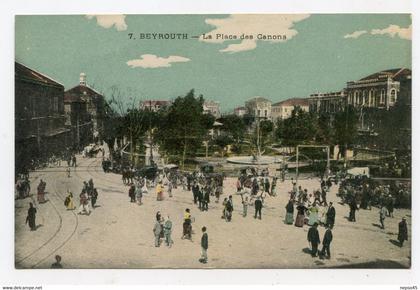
[289, 212]
[69, 202]
[41, 191]
[300, 217]
[313, 215]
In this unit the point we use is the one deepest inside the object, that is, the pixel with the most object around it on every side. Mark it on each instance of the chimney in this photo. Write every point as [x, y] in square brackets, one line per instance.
[82, 79]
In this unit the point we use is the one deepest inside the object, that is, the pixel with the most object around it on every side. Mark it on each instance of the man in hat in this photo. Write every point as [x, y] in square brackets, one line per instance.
[204, 246]
[157, 229]
[313, 239]
[402, 231]
[326, 241]
[258, 206]
[330, 216]
[167, 231]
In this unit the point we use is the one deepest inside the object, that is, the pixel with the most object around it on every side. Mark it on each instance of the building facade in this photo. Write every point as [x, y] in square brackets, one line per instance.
[331, 102]
[154, 105]
[95, 104]
[379, 90]
[40, 129]
[283, 110]
[259, 107]
[212, 108]
[239, 111]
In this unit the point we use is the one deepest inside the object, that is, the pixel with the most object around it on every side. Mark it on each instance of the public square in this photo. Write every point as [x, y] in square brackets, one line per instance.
[118, 234]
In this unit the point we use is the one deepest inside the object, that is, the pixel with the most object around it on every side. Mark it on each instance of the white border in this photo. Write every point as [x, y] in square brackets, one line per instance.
[9, 276]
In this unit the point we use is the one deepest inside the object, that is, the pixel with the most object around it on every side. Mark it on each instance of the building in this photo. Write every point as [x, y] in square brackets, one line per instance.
[95, 103]
[239, 111]
[154, 105]
[259, 107]
[212, 107]
[378, 90]
[78, 120]
[39, 116]
[331, 102]
[283, 110]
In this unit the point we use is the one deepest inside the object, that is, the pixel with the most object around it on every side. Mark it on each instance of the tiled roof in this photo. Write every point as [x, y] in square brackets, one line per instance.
[25, 73]
[292, 102]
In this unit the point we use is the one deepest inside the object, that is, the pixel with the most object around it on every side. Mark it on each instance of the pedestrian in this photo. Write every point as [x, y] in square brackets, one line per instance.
[289, 212]
[131, 193]
[326, 242]
[273, 186]
[186, 226]
[390, 206]
[138, 193]
[68, 202]
[258, 206]
[206, 199]
[300, 217]
[41, 191]
[402, 231]
[170, 186]
[313, 239]
[245, 206]
[159, 191]
[94, 197]
[167, 231]
[267, 185]
[238, 185]
[157, 230]
[330, 216]
[200, 198]
[84, 203]
[353, 208]
[382, 214]
[57, 264]
[229, 208]
[313, 214]
[73, 159]
[68, 172]
[30, 218]
[195, 189]
[204, 246]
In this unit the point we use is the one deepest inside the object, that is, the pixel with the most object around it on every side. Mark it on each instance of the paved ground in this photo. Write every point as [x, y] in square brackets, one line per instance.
[118, 234]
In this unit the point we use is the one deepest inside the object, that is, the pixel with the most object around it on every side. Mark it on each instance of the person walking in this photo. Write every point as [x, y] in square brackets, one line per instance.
[382, 215]
[30, 218]
[289, 212]
[69, 202]
[167, 231]
[330, 216]
[245, 206]
[159, 191]
[131, 193]
[258, 207]
[138, 193]
[313, 239]
[326, 242]
[157, 229]
[170, 187]
[402, 231]
[84, 203]
[204, 246]
[206, 199]
[353, 208]
[41, 191]
[94, 197]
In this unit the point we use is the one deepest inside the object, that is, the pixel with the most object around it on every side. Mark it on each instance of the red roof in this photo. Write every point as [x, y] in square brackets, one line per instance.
[393, 73]
[292, 102]
[25, 73]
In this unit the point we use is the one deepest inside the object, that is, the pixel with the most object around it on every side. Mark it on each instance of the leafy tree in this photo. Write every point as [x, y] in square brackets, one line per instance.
[184, 127]
[299, 128]
[233, 127]
[345, 129]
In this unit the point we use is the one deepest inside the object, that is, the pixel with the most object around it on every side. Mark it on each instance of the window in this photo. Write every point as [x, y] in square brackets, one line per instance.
[55, 105]
[393, 96]
[258, 113]
[382, 100]
[265, 113]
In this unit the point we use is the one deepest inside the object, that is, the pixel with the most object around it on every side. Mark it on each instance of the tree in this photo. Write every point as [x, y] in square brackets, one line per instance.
[233, 127]
[183, 127]
[297, 129]
[345, 129]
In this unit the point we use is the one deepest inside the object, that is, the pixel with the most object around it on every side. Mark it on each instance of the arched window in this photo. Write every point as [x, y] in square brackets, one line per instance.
[393, 94]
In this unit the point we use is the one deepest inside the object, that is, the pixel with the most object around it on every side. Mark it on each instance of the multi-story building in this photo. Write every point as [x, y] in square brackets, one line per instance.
[259, 107]
[283, 110]
[154, 105]
[378, 90]
[39, 116]
[239, 111]
[79, 120]
[95, 102]
[331, 102]
[212, 107]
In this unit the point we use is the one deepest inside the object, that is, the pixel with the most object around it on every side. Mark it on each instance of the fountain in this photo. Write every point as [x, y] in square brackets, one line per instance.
[257, 157]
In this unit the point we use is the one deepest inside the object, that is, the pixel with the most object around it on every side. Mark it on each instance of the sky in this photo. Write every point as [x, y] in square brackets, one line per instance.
[311, 53]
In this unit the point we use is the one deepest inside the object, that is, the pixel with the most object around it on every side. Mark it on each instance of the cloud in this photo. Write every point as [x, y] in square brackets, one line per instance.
[392, 31]
[355, 34]
[153, 61]
[252, 24]
[108, 21]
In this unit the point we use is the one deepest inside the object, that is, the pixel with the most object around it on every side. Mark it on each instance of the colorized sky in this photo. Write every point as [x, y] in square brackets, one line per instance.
[312, 53]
